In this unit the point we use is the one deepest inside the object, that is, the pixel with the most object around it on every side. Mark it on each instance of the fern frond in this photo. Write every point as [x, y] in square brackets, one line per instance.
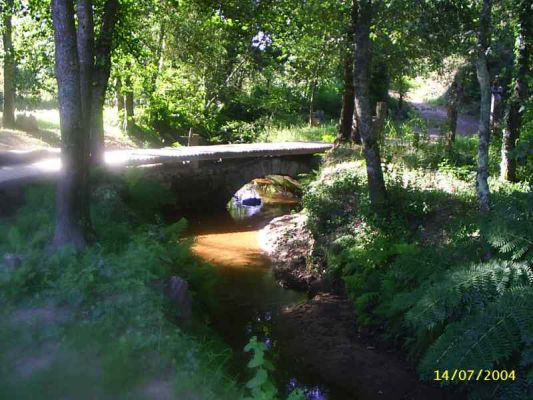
[484, 339]
[466, 289]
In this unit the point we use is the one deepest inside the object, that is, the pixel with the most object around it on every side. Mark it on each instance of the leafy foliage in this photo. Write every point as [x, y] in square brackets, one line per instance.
[419, 272]
[117, 320]
[260, 386]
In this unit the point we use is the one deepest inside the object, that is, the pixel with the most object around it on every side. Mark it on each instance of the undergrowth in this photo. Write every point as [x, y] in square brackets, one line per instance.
[455, 289]
[96, 324]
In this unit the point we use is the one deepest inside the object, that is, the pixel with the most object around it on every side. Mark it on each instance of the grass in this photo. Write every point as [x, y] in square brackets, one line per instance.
[49, 131]
[296, 133]
[405, 270]
[96, 324]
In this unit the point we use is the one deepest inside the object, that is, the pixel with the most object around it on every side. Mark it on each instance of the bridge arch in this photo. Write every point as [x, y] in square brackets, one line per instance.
[210, 185]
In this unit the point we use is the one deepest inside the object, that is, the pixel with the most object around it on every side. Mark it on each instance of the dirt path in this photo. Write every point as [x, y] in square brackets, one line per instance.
[322, 336]
[436, 117]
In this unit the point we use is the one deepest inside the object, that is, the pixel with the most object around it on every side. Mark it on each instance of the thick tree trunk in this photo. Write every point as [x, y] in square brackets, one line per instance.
[9, 67]
[355, 133]
[70, 226]
[348, 105]
[101, 72]
[346, 121]
[376, 184]
[482, 186]
[452, 101]
[513, 118]
[85, 44]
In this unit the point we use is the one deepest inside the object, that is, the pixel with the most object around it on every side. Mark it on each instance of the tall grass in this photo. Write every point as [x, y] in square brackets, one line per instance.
[299, 133]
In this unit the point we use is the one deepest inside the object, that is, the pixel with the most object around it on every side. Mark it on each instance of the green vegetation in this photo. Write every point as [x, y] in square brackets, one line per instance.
[430, 231]
[260, 386]
[453, 287]
[304, 133]
[96, 323]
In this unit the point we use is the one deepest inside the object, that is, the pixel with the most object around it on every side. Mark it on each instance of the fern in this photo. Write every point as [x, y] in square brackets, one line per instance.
[488, 339]
[465, 290]
[510, 230]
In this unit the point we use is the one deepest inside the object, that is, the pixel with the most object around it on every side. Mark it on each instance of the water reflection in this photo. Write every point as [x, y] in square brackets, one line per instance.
[245, 203]
[247, 299]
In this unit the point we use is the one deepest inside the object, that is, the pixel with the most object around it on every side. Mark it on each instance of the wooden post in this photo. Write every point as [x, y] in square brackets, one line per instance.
[190, 137]
[193, 140]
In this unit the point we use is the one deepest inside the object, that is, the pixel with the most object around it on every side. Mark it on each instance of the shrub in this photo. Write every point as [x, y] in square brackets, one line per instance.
[119, 334]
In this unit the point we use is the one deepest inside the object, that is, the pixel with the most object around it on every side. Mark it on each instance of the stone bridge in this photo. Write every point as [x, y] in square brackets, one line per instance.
[202, 177]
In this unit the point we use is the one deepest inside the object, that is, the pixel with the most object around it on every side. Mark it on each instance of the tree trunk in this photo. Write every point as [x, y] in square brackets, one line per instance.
[376, 184]
[496, 104]
[9, 67]
[101, 72]
[348, 105]
[401, 94]
[513, 119]
[120, 99]
[482, 186]
[130, 106]
[452, 100]
[312, 101]
[70, 227]
[348, 101]
[355, 133]
[85, 44]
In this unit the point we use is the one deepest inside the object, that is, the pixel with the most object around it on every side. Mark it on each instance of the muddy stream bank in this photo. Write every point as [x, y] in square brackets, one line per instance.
[311, 333]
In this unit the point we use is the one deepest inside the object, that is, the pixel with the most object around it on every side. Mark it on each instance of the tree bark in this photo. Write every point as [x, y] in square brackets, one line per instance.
[513, 118]
[452, 100]
[348, 96]
[130, 106]
[85, 45]
[401, 93]
[376, 184]
[484, 30]
[312, 101]
[70, 226]
[120, 98]
[9, 67]
[348, 105]
[355, 133]
[100, 79]
[496, 104]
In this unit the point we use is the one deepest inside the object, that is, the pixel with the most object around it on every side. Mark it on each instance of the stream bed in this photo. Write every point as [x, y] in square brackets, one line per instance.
[248, 300]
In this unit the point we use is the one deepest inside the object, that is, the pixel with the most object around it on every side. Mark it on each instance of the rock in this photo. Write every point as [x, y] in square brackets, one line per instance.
[27, 123]
[177, 290]
[288, 243]
[254, 202]
[12, 262]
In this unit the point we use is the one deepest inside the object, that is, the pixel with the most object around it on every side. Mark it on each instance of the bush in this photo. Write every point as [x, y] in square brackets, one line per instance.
[419, 272]
[119, 334]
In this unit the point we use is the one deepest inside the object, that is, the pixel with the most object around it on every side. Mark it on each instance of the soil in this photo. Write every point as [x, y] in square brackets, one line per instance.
[467, 125]
[289, 244]
[321, 334]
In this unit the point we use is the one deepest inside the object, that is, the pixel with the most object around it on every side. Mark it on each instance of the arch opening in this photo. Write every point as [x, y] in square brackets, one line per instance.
[272, 191]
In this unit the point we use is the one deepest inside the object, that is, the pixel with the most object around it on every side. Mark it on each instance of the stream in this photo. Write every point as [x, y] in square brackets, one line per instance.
[248, 298]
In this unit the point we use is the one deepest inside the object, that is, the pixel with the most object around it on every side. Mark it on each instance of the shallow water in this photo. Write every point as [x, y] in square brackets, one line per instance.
[247, 298]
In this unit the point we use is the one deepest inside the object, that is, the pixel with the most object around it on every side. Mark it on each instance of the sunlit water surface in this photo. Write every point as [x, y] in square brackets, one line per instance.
[247, 298]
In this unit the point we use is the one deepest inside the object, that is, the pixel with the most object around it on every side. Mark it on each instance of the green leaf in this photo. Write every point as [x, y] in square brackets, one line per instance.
[258, 380]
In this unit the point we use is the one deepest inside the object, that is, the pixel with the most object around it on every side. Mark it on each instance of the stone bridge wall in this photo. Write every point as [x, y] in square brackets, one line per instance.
[211, 184]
